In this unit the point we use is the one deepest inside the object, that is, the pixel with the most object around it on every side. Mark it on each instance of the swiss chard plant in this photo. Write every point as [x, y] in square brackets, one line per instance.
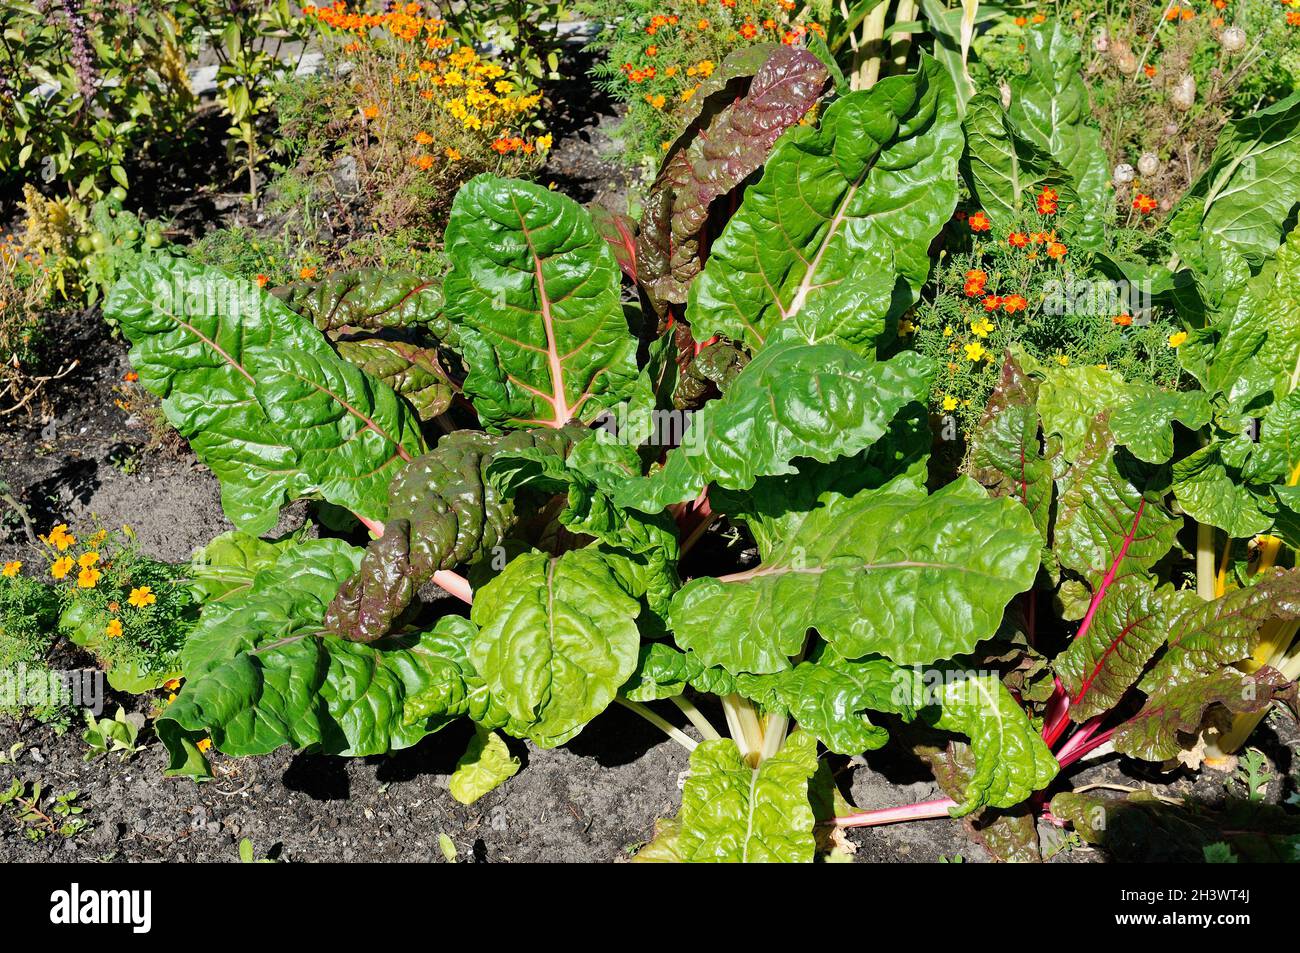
[547, 433]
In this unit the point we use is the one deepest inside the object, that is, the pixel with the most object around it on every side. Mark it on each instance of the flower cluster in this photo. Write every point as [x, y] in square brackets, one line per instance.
[457, 99]
[656, 62]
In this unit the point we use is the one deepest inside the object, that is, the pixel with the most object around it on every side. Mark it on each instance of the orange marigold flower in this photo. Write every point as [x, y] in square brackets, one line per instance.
[130, 377]
[1021, 21]
[423, 138]
[1187, 13]
[307, 272]
[1013, 303]
[992, 303]
[452, 154]
[1150, 71]
[977, 275]
[261, 281]
[1055, 250]
[979, 222]
[1293, 19]
[114, 629]
[1039, 18]
[1047, 200]
[1017, 239]
[423, 162]
[371, 112]
[749, 31]
[652, 50]
[1144, 203]
[1123, 320]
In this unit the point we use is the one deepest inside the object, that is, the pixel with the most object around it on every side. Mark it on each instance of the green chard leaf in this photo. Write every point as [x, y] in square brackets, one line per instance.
[793, 400]
[663, 671]
[1011, 759]
[260, 394]
[892, 571]
[1005, 169]
[486, 764]
[1049, 106]
[1232, 218]
[260, 673]
[535, 292]
[734, 813]
[557, 639]
[864, 191]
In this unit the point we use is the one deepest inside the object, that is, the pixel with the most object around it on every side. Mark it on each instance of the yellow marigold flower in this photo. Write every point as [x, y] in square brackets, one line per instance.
[981, 328]
[544, 141]
[172, 684]
[204, 744]
[947, 331]
[61, 567]
[141, 597]
[949, 402]
[98, 538]
[171, 698]
[1177, 338]
[975, 351]
[11, 568]
[88, 578]
[1063, 360]
[905, 326]
[60, 538]
[114, 630]
[86, 560]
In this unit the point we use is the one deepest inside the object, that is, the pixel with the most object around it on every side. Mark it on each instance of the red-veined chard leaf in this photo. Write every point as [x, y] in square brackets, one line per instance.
[1205, 636]
[535, 292]
[443, 511]
[370, 299]
[1178, 709]
[1005, 454]
[864, 191]
[718, 159]
[414, 372]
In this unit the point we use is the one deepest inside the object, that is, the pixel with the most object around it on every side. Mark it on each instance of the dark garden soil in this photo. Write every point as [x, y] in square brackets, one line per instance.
[90, 448]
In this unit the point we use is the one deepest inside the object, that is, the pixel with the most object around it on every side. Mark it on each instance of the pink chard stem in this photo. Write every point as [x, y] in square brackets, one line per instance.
[926, 810]
[452, 582]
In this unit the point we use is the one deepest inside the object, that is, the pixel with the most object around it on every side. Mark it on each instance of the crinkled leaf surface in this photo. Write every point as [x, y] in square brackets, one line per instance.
[1212, 492]
[793, 400]
[1005, 456]
[1106, 526]
[663, 671]
[535, 292]
[261, 673]
[1005, 169]
[196, 335]
[1011, 759]
[733, 813]
[1179, 709]
[894, 572]
[1207, 635]
[866, 190]
[1123, 634]
[443, 511]
[1238, 207]
[486, 764]
[1049, 106]
[413, 371]
[369, 299]
[735, 143]
[557, 638]
[351, 432]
